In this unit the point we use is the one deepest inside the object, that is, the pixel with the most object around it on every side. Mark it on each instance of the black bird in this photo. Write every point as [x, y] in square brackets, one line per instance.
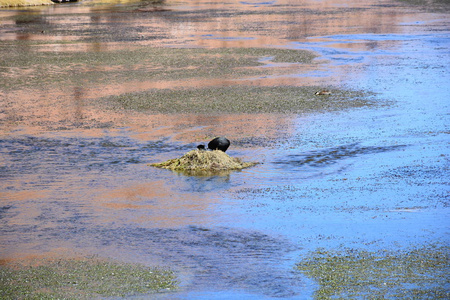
[219, 143]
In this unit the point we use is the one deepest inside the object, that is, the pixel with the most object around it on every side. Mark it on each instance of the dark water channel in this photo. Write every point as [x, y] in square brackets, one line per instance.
[374, 177]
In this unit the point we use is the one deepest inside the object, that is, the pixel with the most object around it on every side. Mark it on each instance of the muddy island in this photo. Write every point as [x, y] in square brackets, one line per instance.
[201, 162]
[20, 3]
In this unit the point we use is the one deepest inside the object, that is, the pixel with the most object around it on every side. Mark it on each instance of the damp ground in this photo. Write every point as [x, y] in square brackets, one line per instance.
[94, 92]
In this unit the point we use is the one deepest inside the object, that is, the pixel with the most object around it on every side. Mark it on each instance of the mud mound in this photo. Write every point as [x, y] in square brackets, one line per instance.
[15, 3]
[204, 161]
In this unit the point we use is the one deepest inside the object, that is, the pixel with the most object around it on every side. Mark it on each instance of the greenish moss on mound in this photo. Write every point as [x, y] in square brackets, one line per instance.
[14, 3]
[240, 99]
[420, 273]
[80, 279]
[204, 162]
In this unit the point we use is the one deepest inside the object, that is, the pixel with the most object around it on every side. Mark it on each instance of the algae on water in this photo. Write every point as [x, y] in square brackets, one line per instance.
[81, 278]
[201, 161]
[240, 99]
[420, 273]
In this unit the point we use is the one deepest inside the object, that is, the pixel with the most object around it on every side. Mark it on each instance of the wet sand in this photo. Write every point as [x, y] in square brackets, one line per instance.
[365, 167]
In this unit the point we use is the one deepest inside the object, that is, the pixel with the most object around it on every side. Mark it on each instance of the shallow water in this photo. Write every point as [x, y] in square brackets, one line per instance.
[74, 177]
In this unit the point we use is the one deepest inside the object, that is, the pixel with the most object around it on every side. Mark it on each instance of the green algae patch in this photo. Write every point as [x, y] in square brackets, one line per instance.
[421, 273]
[202, 162]
[16, 3]
[84, 278]
[240, 99]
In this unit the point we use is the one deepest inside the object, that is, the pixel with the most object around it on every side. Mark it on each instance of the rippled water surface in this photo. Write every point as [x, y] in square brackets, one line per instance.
[75, 176]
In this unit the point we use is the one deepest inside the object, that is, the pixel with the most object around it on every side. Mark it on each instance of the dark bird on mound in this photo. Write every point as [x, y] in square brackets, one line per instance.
[219, 143]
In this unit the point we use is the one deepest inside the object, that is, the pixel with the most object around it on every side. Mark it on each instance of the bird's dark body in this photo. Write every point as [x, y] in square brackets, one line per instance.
[219, 143]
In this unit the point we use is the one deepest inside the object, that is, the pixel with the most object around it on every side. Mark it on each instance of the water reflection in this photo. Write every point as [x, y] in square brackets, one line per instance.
[324, 157]
[79, 104]
[210, 23]
[75, 176]
[202, 250]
